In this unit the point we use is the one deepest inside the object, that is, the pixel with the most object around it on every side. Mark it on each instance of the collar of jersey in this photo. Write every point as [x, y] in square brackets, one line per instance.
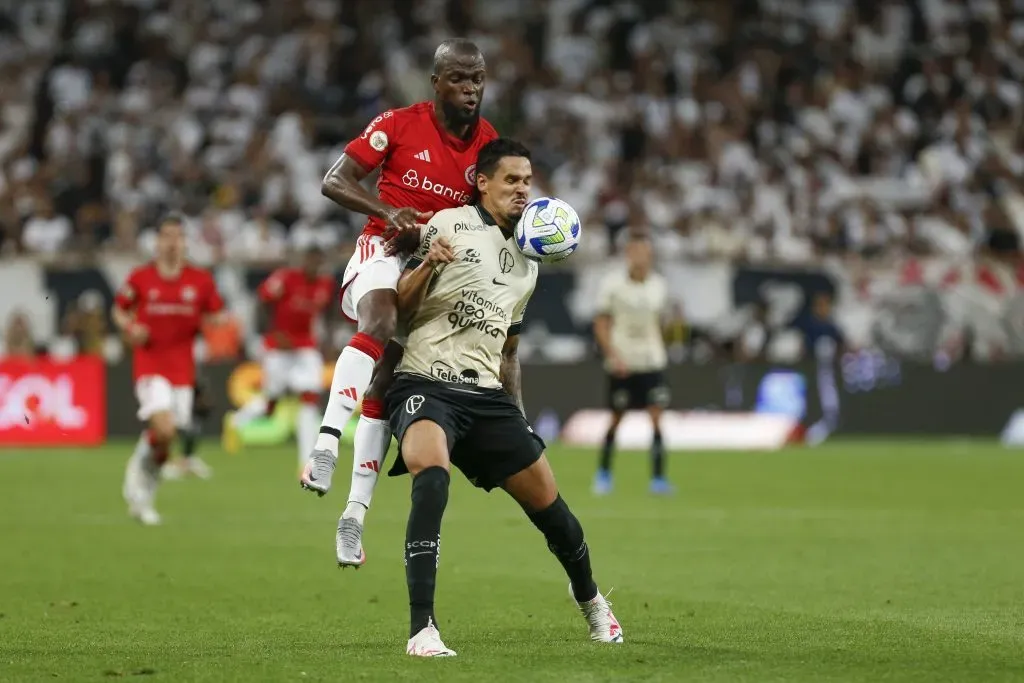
[486, 217]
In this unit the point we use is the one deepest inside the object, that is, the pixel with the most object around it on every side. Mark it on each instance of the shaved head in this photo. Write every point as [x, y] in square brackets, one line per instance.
[459, 78]
[455, 50]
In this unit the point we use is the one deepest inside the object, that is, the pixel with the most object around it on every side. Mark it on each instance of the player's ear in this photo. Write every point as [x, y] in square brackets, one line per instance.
[481, 183]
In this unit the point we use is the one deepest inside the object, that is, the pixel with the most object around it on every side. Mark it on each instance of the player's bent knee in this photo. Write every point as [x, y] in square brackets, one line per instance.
[424, 445]
[533, 488]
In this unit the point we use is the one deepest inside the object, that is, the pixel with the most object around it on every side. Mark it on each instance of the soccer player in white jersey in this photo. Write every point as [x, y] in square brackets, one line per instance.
[457, 400]
[631, 307]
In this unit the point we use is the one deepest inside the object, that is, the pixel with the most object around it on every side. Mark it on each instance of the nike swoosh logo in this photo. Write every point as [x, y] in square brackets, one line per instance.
[496, 281]
[425, 552]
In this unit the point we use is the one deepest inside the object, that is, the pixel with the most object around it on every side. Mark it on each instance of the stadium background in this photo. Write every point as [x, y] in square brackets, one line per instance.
[868, 152]
[861, 160]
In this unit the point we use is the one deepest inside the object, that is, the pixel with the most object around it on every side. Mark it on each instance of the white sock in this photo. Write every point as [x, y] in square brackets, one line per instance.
[373, 437]
[352, 375]
[143, 450]
[254, 408]
[140, 477]
[306, 423]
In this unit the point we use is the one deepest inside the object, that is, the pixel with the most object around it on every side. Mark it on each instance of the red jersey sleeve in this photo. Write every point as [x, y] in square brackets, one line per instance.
[372, 147]
[212, 302]
[128, 296]
[272, 288]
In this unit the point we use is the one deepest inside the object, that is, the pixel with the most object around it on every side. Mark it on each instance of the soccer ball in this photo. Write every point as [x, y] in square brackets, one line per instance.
[548, 231]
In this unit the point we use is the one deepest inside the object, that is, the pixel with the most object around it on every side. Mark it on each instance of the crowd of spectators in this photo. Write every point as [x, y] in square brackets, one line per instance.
[758, 129]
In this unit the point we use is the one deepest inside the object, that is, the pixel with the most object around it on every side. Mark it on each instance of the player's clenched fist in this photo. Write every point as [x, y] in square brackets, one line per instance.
[440, 252]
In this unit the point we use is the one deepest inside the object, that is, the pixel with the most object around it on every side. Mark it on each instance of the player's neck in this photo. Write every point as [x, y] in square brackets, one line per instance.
[637, 274]
[462, 131]
[169, 269]
[490, 217]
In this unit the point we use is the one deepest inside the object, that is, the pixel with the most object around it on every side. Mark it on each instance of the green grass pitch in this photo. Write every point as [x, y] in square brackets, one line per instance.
[859, 561]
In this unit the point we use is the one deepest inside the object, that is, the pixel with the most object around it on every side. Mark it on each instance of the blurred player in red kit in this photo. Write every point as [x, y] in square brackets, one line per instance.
[292, 364]
[427, 156]
[160, 310]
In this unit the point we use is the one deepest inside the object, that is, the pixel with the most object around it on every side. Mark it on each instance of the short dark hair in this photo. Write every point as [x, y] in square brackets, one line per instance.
[454, 47]
[491, 154]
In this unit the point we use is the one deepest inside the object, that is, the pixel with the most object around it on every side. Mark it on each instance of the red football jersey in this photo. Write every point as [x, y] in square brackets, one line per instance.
[172, 311]
[295, 300]
[422, 165]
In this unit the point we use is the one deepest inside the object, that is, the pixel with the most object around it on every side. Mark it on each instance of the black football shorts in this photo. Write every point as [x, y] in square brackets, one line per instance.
[489, 440]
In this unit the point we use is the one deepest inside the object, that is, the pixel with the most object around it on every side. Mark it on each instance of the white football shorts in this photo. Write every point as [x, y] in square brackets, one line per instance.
[367, 270]
[156, 394]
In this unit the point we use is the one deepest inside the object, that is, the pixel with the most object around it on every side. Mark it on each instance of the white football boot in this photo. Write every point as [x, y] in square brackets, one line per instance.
[349, 543]
[604, 627]
[427, 643]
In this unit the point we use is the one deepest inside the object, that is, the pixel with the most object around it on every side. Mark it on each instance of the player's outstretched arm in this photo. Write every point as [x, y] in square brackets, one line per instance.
[343, 186]
[415, 281]
[511, 376]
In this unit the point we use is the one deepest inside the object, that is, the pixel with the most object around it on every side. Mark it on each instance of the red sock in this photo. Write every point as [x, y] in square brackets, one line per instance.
[159, 449]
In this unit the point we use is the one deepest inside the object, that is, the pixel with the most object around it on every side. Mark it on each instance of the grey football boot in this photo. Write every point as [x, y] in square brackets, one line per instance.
[317, 474]
[349, 545]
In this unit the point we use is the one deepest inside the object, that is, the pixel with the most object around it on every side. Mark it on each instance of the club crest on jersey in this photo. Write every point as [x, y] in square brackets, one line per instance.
[188, 293]
[379, 140]
[471, 175]
[506, 261]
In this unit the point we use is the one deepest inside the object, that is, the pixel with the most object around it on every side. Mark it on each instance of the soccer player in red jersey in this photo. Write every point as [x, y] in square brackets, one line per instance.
[427, 156]
[292, 364]
[160, 310]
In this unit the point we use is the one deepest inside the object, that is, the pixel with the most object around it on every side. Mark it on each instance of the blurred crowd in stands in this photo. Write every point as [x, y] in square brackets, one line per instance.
[854, 132]
[776, 130]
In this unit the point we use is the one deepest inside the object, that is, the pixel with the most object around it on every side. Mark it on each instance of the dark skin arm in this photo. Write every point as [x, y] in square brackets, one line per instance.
[511, 376]
[343, 186]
